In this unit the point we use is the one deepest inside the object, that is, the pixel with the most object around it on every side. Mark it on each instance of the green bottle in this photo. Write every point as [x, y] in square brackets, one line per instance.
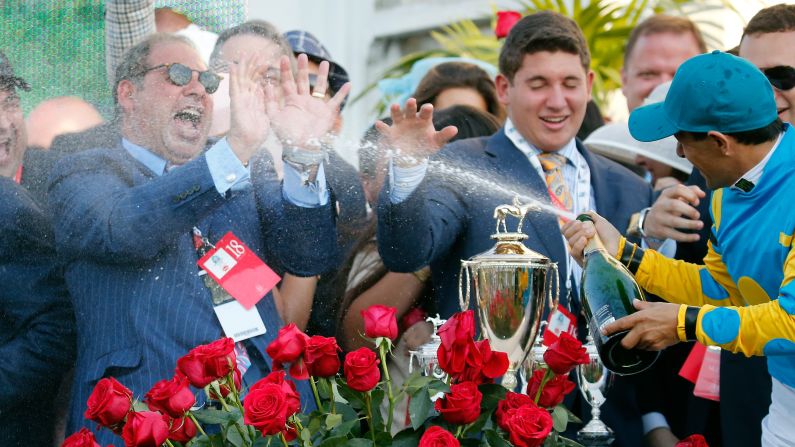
[607, 290]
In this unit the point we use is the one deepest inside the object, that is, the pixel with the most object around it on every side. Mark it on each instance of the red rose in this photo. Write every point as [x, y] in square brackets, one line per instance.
[321, 358]
[83, 438]
[693, 441]
[461, 405]
[458, 351]
[361, 370]
[505, 21]
[209, 362]
[458, 329]
[266, 408]
[182, 430]
[290, 433]
[287, 386]
[438, 437]
[145, 429]
[565, 353]
[512, 401]
[483, 365]
[172, 397]
[528, 425]
[554, 390]
[288, 347]
[109, 403]
[463, 362]
[380, 321]
[289, 344]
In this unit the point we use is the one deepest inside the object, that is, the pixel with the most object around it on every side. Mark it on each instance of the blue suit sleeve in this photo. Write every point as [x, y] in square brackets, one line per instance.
[101, 211]
[37, 328]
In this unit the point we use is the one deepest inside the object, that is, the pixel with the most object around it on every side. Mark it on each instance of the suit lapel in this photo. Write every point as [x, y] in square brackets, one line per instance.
[520, 176]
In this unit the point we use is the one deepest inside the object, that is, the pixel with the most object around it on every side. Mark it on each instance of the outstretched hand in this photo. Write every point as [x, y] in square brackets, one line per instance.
[412, 133]
[303, 118]
[249, 123]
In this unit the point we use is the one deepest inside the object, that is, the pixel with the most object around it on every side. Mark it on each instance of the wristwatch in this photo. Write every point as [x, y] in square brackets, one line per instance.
[304, 158]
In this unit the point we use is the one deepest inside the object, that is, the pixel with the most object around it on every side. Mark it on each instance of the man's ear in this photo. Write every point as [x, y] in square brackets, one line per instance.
[724, 144]
[125, 94]
[503, 84]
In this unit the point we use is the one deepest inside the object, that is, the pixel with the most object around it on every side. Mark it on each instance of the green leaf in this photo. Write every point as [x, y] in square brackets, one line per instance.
[333, 420]
[213, 416]
[477, 426]
[336, 441]
[492, 395]
[407, 438]
[493, 439]
[233, 437]
[572, 417]
[560, 419]
[359, 442]
[261, 441]
[419, 407]
[568, 442]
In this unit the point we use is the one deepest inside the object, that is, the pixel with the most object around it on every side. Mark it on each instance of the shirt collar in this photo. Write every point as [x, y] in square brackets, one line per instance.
[751, 178]
[569, 150]
[154, 162]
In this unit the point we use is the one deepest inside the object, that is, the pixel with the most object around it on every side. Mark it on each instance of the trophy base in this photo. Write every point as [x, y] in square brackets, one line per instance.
[595, 434]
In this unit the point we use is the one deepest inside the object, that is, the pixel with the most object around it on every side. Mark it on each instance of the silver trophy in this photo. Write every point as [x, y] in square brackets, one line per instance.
[594, 380]
[426, 356]
[511, 283]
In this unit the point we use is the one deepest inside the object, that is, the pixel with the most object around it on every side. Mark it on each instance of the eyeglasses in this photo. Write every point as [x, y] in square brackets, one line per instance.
[781, 77]
[181, 75]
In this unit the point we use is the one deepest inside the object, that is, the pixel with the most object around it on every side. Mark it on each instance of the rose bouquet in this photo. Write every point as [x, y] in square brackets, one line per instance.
[467, 409]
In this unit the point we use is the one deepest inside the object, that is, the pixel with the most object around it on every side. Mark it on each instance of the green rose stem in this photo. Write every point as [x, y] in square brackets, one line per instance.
[548, 374]
[229, 410]
[317, 395]
[368, 404]
[284, 440]
[459, 431]
[331, 393]
[382, 353]
[169, 444]
[199, 427]
[234, 392]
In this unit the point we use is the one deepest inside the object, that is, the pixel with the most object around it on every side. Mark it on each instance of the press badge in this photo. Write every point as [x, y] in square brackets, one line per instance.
[238, 279]
[560, 320]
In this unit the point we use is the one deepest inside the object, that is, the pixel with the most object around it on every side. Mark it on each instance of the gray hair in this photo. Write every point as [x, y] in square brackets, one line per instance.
[259, 28]
[134, 61]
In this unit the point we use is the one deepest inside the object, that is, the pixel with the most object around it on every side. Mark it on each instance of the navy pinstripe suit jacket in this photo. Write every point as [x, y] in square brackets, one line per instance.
[125, 236]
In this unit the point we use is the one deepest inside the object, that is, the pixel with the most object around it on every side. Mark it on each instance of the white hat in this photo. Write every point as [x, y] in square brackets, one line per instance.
[614, 141]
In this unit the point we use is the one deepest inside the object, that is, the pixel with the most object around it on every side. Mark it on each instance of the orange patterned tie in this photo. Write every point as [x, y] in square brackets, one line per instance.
[552, 163]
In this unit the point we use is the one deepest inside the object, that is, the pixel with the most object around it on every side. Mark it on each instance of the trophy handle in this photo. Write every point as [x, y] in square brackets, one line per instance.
[463, 299]
[553, 301]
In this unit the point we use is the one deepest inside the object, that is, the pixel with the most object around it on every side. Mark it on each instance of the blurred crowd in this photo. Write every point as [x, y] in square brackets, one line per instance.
[113, 230]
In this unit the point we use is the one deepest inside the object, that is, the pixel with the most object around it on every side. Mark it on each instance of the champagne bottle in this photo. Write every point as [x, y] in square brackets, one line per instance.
[607, 289]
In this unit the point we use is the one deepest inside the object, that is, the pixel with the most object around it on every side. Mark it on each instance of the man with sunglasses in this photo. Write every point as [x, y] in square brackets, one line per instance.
[767, 42]
[131, 221]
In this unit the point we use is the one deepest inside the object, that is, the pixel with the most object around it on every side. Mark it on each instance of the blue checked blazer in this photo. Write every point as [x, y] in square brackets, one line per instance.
[125, 236]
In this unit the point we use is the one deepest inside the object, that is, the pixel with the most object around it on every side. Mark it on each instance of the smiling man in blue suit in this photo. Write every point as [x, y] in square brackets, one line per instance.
[432, 214]
[126, 217]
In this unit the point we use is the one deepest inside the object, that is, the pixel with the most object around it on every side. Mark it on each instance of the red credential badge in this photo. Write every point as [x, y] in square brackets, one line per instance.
[236, 268]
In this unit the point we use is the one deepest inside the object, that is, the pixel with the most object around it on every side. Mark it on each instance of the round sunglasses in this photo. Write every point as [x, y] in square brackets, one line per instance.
[181, 75]
[781, 77]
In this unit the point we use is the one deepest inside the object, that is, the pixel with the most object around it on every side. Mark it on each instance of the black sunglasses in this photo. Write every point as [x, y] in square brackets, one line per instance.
[181, 75]
[781, 77]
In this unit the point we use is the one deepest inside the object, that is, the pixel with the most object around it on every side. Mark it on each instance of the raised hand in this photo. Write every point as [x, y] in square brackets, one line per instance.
[250, 123]
[303, 118]
[675, 210]
[412, 134]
